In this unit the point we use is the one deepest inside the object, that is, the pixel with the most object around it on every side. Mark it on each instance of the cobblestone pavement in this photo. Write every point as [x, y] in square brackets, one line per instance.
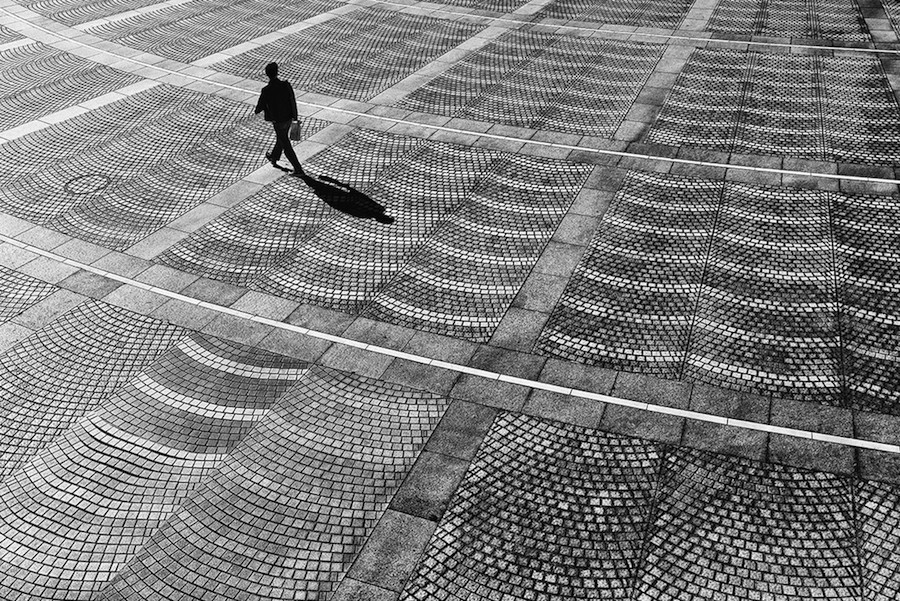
[576, 300]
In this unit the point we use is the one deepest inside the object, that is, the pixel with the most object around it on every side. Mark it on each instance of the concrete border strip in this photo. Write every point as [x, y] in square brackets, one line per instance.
[534, 384]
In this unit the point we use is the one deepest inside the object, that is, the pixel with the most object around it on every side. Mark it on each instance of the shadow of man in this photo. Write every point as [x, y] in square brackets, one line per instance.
[346, 199]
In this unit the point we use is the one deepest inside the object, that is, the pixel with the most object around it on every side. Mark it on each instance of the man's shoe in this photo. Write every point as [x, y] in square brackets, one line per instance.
[298, 173]
[269, 158]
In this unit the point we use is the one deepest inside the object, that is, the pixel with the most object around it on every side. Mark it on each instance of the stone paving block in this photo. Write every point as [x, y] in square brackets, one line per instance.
[121, 264]
[320, 319]
[48, 309]
[628, 421]
[89, 284]
[212, 291]
[264, 305]
[166, 278]
[559, 259]
[577, 376]
[439, 380]
[11, 334]
[356, 360]
[236, 329]
[83, 252]
[378, 333]
[47, 269]
[648, 389]
[461, 429]
[812, 454]
[540, 292]
[354, 590]
[727, 440]
[564, 408]
[427, 490]
[293, 344]
[730, 403]
[519, 329]
[135, 299]
[186, 315]
[491, 393]
[13, 257]
[827, 420]
[444, 348]
[506, 361]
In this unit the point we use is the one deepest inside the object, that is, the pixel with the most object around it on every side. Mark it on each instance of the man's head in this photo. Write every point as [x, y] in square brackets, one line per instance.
[272, 70]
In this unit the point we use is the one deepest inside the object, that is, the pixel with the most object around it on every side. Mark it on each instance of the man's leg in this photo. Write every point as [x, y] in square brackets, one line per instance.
[281, 135]
[276, 150]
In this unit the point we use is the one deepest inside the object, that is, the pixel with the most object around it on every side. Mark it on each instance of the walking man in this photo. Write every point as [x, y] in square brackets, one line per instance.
[279, 106]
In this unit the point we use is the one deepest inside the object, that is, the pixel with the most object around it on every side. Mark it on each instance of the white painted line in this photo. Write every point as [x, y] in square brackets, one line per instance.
[854, 442]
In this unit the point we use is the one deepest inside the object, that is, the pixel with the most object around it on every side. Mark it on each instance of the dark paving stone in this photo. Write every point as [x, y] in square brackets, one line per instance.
[579, 377]
[569, 409]
[237, 329]
[292, 344]
[461, 430]
[493, 393]
[519, 329]
[647, 389]
[354, 590]
[356, 360]
[439, 380]
[540, 292]
[507, 362]
[89, 284]
[427, 489]
[812, 454]
[730, 403]
[724, 439]
[628, 421]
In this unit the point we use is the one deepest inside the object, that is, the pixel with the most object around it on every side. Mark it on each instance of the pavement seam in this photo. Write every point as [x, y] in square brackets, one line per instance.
[533, 384]
[146, 70]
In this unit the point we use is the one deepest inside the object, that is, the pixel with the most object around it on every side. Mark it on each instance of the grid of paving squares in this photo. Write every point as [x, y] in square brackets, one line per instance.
[468, 227]
[551, 511]
[137, 472]
[569, 84]
[193, 30]
[770, 290]
[635, 13]
[838, 109]
[838, 20]
[38, 80]
[116, 174]
[357, 55]
[18, 292]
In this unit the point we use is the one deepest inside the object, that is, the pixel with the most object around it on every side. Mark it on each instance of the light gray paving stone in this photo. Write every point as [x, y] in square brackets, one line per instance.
[430, 484]
[48, 309]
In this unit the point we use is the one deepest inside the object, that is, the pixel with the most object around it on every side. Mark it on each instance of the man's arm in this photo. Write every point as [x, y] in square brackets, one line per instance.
[293, 102]
[261, 103]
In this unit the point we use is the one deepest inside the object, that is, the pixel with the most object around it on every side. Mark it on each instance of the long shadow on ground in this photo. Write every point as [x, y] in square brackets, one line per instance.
[346, 199]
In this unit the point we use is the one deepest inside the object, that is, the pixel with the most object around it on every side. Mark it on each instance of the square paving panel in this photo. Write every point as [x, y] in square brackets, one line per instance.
[822, 108]
[286, 512]
[867, 250]
[89, 501]
[637, 13]
[349, 261]
[37, 80]
[190, 31]
[357, 55]
[19, 292]
[837, 20]
[465, 277]
[767, 316]
[571, 84]
[501, 6]
[630, 302]
[116, 174]
[731, 528]
[68, 368]
[257, 234]
[546, 511]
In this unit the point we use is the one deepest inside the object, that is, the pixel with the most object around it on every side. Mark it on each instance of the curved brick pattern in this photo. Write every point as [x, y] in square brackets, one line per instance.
[285, 514]
[37, 80]
[767, 316]
[838, 20]
[560, 83]
[357, 55]
[466, 276]
[636, 13]
[546, 511]
[735, 529]
[52, 378]
[824, 108]
[8, 35]
[253, 237]
[73, 12]
[451, 92]
[154, 156]
[99, 491]
[630, 302]
[879, 508]
[346, 264]
[868, 262]
[19, 291]
[202, 27]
